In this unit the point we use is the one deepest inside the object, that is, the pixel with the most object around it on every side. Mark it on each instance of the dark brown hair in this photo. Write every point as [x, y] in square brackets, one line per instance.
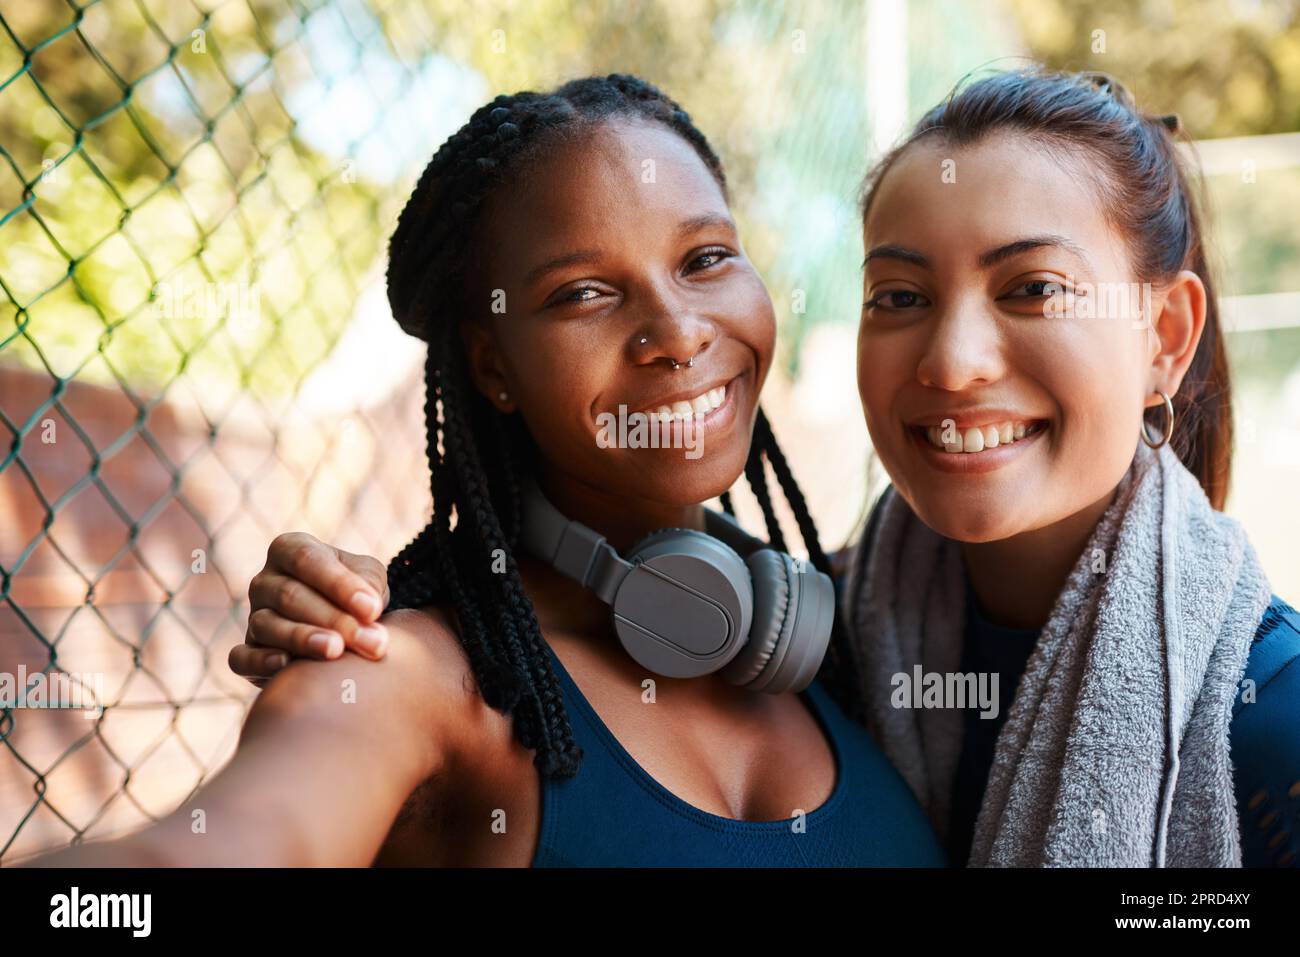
[1147, 195]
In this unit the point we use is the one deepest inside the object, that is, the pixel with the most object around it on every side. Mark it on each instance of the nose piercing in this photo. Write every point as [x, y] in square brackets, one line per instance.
[690, 363]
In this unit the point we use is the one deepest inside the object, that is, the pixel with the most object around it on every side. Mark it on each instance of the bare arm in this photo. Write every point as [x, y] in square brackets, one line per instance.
[329, 753]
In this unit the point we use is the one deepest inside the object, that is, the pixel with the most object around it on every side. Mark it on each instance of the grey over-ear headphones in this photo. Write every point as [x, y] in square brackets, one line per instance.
[687, 604]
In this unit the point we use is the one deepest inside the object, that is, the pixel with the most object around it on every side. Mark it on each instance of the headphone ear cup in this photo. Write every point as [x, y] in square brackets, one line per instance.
[794, 608]
[657, 536]
[686, 607]
[772, 574]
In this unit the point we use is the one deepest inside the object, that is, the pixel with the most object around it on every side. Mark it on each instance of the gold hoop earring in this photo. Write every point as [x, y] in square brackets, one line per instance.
[1169, 428]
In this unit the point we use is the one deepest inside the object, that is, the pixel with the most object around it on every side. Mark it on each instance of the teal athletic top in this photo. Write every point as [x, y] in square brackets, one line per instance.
[1264, 734]
[614, 814]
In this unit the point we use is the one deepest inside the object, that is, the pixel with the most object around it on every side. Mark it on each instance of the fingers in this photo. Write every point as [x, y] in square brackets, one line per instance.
[256, 664]
[269, 629]
[357, 584]
[375, 574]
[290, 616]
[300, 584]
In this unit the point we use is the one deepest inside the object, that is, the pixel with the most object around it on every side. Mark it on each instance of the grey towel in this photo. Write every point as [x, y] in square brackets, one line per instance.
[1115, 748]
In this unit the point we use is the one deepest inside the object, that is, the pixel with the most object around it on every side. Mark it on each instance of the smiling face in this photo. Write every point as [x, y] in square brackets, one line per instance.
[997, 401]
[607, 279]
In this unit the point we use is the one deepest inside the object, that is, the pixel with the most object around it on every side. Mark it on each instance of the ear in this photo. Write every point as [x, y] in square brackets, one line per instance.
[1177, 331]
[485, 366]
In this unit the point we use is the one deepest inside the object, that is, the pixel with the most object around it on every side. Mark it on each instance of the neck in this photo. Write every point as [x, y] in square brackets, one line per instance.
[1017, 580]
[564, 605]
[622, 520]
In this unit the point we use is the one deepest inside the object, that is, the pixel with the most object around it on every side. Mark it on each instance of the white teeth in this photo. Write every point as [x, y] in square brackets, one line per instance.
[975, 439]
[701, 405]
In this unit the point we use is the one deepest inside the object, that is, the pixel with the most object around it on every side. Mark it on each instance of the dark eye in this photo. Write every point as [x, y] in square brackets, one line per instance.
[897, 299]
[578, 294]
[708, 259]
[1038, 288]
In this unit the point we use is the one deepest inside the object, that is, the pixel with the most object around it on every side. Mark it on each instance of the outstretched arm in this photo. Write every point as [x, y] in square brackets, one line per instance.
[329, 753]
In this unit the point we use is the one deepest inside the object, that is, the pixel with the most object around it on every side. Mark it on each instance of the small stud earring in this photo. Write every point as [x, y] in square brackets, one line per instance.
[503, 396]
[644, 340]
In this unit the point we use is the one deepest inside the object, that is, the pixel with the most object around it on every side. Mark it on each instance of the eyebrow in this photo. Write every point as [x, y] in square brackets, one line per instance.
[704, 221]
[559, 262]
[995, 256]
[581, 256]
[986, 259]
[895, 251]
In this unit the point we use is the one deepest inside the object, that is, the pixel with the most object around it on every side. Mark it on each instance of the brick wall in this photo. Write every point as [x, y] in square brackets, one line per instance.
[82, 592]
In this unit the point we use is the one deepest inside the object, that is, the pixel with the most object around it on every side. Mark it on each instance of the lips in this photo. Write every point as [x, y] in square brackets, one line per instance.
[975, 439]
[974, 431]
[690, 402]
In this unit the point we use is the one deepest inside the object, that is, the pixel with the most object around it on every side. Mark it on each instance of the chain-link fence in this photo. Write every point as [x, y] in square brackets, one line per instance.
[195, 350]
[188, 226]
[196, 353]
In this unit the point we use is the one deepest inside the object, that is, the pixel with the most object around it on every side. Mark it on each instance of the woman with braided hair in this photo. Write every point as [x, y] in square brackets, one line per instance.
[563, 255]
[1043, 374]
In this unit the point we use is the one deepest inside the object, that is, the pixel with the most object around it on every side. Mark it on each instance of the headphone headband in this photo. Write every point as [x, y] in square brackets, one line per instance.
[570, 547]
[583, 554]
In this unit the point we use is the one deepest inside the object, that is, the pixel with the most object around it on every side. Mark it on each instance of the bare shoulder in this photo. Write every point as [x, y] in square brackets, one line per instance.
[421, 691]
[425, 640]
[427, 635]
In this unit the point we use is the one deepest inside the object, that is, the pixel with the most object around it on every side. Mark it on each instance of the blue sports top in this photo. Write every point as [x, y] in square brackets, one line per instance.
[614, 814]
[1264, 734]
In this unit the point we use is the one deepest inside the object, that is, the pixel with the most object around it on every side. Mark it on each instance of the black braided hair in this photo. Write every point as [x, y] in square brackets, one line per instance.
[478, 456]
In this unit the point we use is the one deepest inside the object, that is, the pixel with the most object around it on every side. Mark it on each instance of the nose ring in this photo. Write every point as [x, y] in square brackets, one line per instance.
[690, 363]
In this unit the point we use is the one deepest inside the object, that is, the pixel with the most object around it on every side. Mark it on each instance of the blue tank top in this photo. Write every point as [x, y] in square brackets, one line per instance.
[1264, 733]
[614, 814]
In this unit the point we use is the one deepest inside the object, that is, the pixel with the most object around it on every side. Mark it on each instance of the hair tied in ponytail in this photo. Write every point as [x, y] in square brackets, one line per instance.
[1107, 84]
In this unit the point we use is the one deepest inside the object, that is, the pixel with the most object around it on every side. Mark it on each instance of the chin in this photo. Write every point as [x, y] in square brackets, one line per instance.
[678, 482]
[970, 521]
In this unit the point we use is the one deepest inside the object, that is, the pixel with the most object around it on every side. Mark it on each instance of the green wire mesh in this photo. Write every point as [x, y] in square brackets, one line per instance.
[176, 258]
[195, 354]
